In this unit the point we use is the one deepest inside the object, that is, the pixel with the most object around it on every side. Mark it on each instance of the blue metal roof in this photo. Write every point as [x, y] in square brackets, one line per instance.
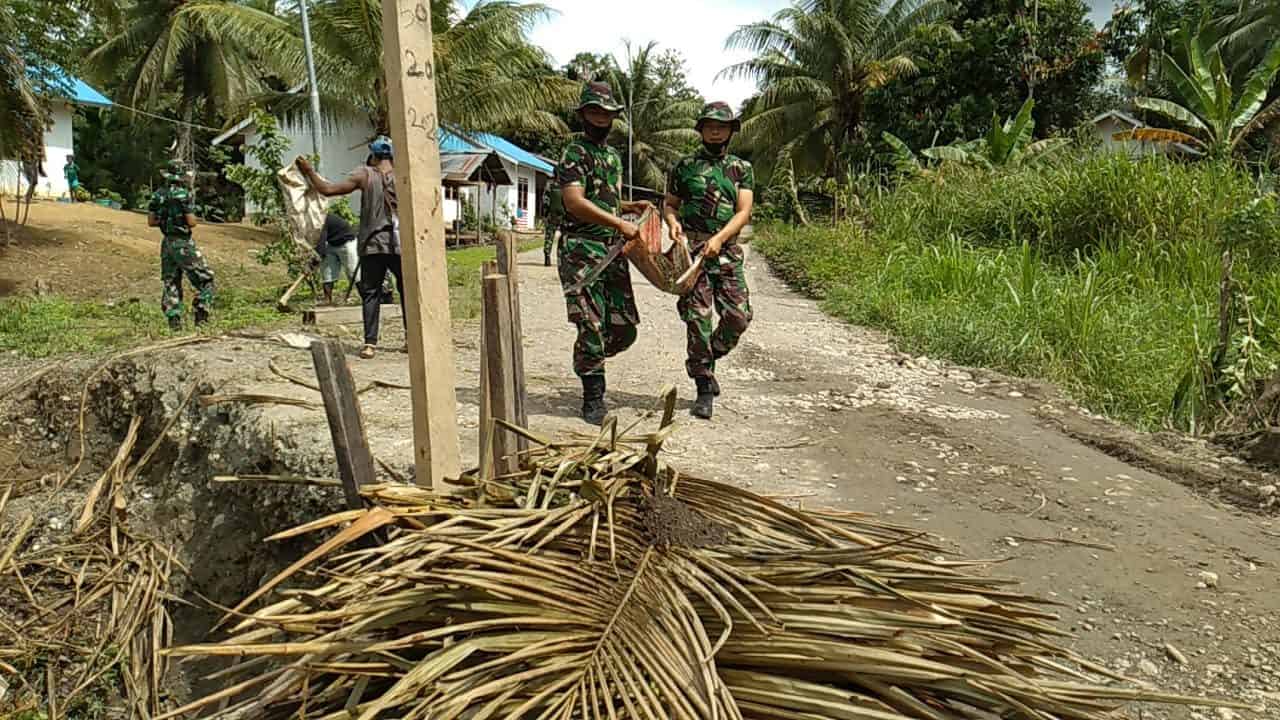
[515, 153]
[451, 142]
[80, 91]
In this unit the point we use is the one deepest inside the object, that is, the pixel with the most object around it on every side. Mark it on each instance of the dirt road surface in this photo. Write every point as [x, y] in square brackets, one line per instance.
[1165, 585]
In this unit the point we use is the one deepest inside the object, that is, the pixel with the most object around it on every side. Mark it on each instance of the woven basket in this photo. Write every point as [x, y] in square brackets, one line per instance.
[672, 271]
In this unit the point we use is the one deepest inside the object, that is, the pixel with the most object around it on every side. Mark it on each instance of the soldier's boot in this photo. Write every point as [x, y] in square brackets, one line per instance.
[704, 405]
[593, 407]
[202, 317]
[546, 259]
[175, 323]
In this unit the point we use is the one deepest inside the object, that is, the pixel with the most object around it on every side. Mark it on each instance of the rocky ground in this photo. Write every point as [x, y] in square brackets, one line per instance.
[1163, 581]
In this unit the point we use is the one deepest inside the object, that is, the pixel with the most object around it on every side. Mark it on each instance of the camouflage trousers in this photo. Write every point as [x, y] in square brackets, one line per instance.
[604, 311]
[722, 286]
[548, 240]
[179, 256]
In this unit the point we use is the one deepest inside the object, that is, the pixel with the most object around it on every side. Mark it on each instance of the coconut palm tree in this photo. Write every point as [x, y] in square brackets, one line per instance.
[488, 75]
[815, 62]
[1215, 115]
[661, 126]
[168, 46]
[1248, 27]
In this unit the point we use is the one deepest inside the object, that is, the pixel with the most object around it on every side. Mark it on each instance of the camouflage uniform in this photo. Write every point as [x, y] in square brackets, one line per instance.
[178, 253]
[605, 310]
[552, 215]
[707, 186]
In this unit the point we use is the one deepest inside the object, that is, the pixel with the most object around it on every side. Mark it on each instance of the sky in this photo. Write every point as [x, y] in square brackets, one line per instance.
[697, 28]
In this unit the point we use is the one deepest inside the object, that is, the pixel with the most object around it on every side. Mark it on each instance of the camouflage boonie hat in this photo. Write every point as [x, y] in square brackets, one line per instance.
[600, 95]
[718, 111]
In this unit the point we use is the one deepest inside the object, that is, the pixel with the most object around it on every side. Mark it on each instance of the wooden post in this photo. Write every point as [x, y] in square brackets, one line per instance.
[346, 425]
[508, 260]
[487, 268]
[410, 66]
[501, 388]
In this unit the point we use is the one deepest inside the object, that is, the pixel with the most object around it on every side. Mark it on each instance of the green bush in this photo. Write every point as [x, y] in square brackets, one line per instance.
[1101, 273]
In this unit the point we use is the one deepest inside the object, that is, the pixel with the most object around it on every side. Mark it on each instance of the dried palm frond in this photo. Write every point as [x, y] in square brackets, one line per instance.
[593, 584]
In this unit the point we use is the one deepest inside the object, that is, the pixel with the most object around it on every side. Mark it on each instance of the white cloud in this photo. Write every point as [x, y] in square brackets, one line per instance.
[697, 28]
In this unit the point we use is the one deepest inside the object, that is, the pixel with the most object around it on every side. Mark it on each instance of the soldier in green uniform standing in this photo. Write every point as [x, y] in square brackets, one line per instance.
[172, 211]
[709, 198]
[552, 215]
[604, 310]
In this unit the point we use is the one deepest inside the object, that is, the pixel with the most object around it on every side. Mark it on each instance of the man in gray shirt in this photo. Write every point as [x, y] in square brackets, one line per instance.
[379, 236]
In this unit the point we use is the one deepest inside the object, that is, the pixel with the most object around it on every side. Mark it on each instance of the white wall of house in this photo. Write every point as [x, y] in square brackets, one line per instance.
[344, 148]
[1109, 126]
[58, 144]
[507, 197]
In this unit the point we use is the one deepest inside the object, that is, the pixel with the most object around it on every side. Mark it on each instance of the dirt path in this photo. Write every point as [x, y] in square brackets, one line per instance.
[828, 414]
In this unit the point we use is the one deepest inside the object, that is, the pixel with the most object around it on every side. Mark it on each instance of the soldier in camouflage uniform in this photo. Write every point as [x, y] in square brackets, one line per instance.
[552, 212]
[604, 310]
[172, 211]
[709, 198]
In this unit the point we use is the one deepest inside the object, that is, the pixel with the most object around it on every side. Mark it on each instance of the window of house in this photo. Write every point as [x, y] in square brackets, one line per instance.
[451, 192]
[522, 194]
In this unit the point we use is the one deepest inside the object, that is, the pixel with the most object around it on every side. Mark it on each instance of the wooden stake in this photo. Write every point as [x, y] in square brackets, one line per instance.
[501, 386]
[508, 255]
[409, 61]
[346, 425]
[487, 268]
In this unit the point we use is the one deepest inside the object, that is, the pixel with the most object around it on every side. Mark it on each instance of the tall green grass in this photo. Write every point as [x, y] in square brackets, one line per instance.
[1100, 273]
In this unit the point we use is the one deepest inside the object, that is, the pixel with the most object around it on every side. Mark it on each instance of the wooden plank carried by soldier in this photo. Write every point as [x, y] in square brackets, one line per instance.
[346, 424]
[410, 71]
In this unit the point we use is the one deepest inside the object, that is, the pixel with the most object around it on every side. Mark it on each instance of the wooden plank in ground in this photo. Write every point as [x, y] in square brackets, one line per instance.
[508, 260]
[487, 268]
[345, 315]
[346, 425]
[499, 369]
[410, 72]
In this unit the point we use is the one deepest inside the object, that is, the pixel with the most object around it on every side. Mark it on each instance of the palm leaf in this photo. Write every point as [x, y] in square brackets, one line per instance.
[1257, 87]
[1173, 111]
[1158, 135]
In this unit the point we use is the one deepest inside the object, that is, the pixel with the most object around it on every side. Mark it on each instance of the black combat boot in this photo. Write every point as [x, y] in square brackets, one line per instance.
[704, 405]
[202, 317]
[546, 259]
[593, 409]
[175, 323]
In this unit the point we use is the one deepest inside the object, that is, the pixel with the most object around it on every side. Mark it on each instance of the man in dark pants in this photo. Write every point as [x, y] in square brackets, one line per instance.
[379, 237]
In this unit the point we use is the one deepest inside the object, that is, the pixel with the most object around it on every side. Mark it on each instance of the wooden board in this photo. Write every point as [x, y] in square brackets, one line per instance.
[346, 424]
[345, 315]
[408, 60]
[500, 374]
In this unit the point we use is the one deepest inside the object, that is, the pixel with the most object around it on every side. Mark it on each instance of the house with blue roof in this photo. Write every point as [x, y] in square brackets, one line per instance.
[65, 93]
[489, 175]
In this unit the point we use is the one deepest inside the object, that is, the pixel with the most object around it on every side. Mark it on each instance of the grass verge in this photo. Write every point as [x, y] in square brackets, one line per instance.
[52, 326]
[1101, 274]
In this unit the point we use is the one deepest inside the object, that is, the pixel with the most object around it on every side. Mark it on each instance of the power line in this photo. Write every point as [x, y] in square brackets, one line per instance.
[166, 119]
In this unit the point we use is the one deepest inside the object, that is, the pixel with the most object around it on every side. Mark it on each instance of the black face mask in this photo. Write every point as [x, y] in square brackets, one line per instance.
[716, 149]
[597, 134]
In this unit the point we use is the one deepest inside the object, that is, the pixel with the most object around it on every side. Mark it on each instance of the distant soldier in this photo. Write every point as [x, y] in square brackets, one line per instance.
[552, 215]
[71, 172]
[172, 211]
[604, 310]
[709, 198]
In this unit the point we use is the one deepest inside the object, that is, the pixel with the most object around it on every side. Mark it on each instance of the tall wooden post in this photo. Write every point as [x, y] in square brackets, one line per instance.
[409, 62]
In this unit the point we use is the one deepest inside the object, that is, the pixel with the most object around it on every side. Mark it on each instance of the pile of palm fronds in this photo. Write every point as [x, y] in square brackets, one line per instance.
[595, 585]
[83, 617]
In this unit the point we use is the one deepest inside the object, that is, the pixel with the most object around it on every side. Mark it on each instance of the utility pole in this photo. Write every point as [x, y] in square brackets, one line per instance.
[409, 62]
[311, 81]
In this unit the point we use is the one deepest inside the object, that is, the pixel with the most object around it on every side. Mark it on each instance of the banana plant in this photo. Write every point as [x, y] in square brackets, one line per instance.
[1007, 143]
[1215, 116]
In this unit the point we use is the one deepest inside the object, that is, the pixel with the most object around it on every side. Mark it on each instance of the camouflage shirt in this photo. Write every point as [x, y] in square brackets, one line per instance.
[597, 169]
[552, 207]
[708, 189]
[171, 205]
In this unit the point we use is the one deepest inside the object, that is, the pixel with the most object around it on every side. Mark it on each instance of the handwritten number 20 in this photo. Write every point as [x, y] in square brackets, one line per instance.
[416, 69]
